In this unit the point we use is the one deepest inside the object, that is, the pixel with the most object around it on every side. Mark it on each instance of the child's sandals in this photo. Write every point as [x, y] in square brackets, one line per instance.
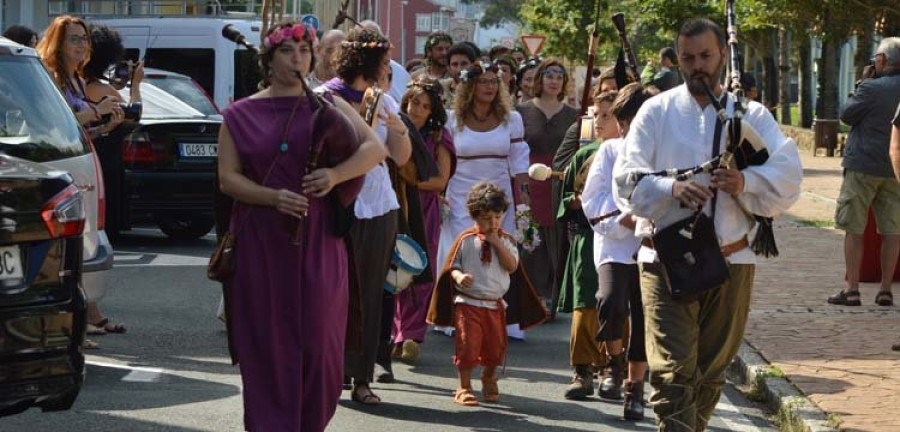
[490, 392]
[464, 396]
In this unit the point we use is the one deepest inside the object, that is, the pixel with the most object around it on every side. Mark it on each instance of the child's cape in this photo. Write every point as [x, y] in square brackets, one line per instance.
[525, 306]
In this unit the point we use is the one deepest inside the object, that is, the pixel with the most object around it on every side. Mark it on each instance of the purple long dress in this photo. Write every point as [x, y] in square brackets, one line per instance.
[412, 304]
[287, 304]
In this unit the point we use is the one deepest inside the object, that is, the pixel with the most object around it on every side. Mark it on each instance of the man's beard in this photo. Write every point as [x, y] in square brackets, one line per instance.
[698, 81]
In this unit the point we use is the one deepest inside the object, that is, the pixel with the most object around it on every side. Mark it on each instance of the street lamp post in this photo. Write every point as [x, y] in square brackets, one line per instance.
[403, 4]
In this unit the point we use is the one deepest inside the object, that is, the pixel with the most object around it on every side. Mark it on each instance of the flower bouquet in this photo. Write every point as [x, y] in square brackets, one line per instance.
[526, 229]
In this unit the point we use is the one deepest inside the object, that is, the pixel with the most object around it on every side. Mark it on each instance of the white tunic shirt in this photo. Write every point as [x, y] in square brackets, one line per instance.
[672, 131]
[612, 241]
[377, 197]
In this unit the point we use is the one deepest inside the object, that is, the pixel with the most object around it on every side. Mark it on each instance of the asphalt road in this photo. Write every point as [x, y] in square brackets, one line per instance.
[171, 371]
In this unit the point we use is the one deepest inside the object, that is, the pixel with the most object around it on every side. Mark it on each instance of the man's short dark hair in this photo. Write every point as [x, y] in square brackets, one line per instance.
[461, 48]
[486, 197]
[668, 53]
[697, 26]
[497, 51]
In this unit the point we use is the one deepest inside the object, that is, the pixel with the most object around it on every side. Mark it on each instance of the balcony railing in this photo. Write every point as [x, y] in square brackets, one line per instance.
[110, 8]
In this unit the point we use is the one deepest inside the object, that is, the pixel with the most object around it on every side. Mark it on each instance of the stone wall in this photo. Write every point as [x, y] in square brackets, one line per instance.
[805, 138]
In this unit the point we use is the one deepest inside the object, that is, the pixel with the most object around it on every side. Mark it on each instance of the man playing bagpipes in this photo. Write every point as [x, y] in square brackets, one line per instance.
[696, 298]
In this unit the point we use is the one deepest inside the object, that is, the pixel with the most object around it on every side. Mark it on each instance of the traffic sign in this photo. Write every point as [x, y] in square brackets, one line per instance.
[311, 21]
[533, 43]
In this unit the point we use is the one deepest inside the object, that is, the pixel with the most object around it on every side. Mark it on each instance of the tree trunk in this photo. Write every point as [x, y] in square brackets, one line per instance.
[770, 97]
[784, 50]
[806, 84]
[829, 67]
[863, 48]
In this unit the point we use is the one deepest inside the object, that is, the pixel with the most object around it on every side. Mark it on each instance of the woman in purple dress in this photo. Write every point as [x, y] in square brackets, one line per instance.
[423, 106]
[286, 302]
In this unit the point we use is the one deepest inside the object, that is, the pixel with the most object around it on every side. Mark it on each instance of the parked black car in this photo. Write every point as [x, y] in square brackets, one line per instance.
[168, 161]
[42, 307]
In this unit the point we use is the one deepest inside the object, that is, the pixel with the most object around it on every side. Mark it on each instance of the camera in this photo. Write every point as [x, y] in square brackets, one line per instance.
[122, 73]
[132, 111]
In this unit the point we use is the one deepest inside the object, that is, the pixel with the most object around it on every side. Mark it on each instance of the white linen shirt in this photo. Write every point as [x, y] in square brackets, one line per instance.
[377, 196]
[671, 130]
[612, 241]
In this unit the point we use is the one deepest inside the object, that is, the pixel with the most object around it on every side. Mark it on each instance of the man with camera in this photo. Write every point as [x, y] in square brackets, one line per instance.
[868, 175]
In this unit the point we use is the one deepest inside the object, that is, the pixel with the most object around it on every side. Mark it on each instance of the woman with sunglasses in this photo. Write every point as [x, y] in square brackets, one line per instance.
[490, 146]
[546, 119]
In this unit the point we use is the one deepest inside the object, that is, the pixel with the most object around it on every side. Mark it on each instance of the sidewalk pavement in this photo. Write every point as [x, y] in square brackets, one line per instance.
[839, 357]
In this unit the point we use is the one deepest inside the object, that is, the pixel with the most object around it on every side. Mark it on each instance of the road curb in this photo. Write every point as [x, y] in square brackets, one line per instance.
[796, 412]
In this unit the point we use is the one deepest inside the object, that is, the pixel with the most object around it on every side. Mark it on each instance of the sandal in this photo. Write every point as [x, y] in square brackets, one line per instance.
[90, 345]
[108, 326]
[365, 397]
[464, 396]
[94, 330]
[845, 298]
[884, 298]
[490, 392]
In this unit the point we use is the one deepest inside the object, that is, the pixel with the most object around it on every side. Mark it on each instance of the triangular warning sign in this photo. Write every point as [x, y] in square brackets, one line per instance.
[533, 43]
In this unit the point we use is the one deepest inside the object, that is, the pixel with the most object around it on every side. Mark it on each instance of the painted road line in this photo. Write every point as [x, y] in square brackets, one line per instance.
[135, 374]
[141, 259]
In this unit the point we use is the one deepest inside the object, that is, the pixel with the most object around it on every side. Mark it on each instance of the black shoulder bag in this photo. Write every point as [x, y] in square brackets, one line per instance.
[689, 250]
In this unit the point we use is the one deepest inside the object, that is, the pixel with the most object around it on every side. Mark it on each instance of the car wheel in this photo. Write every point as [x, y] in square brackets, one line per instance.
[62, 402]
[186, 227]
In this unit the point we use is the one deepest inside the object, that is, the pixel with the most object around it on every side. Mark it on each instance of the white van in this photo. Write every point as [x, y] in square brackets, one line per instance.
[195, 47]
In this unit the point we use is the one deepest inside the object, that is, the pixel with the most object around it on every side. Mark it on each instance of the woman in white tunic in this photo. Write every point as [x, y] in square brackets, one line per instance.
[490, 146]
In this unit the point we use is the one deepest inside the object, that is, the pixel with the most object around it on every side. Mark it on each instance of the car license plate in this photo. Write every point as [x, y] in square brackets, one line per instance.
[10, 263]
[190, 150]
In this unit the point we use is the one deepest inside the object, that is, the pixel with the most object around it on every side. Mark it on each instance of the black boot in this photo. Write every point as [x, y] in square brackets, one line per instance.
[634, 400]
[582, 383]
[611, 387]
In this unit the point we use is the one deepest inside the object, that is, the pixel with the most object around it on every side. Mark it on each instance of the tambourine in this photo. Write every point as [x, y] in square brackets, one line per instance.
[371, 105]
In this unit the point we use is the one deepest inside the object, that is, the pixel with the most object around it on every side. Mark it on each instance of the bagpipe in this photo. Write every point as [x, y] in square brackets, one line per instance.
[744, 148]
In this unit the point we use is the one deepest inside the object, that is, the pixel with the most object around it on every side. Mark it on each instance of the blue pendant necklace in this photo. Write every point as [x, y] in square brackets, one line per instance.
[283, 147]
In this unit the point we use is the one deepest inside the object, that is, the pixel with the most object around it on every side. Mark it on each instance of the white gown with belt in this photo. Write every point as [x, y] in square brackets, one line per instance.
[497, 156]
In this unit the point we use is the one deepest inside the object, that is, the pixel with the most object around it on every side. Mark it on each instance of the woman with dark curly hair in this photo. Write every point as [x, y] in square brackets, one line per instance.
[423, 107]
[363, 62]
[286, 301]
[108, 50]
[546, 120]
[22, 35]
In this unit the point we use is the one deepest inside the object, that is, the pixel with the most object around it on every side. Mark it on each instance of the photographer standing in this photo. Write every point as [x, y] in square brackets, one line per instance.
[65, 49]
[108, 51]
[868, 175]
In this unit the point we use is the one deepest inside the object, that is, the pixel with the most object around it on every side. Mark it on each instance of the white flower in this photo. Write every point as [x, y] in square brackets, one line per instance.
[522, 207]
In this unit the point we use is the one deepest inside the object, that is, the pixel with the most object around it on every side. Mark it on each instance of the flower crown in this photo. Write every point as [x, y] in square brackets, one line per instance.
[429, 86]
[478, 68]
[297, 32]
[370, 44]
[436, 38]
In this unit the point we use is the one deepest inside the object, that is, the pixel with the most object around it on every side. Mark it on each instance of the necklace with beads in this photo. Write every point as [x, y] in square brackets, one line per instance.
[283, 146]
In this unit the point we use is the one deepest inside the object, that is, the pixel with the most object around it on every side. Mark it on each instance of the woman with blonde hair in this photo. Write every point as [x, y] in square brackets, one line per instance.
[490, 146]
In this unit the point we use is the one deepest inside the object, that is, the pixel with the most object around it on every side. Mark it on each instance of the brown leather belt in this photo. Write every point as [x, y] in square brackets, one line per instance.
[727, 250]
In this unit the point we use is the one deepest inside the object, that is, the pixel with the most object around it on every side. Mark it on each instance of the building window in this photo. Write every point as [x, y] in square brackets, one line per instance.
[440, 21]
[423, 22]
[420, 44]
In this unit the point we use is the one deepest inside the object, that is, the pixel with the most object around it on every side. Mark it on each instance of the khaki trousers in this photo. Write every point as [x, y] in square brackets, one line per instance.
[584, 350]
[689, 345]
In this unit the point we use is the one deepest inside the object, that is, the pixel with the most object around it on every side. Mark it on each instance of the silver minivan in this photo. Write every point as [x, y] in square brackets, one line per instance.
[30, 99]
